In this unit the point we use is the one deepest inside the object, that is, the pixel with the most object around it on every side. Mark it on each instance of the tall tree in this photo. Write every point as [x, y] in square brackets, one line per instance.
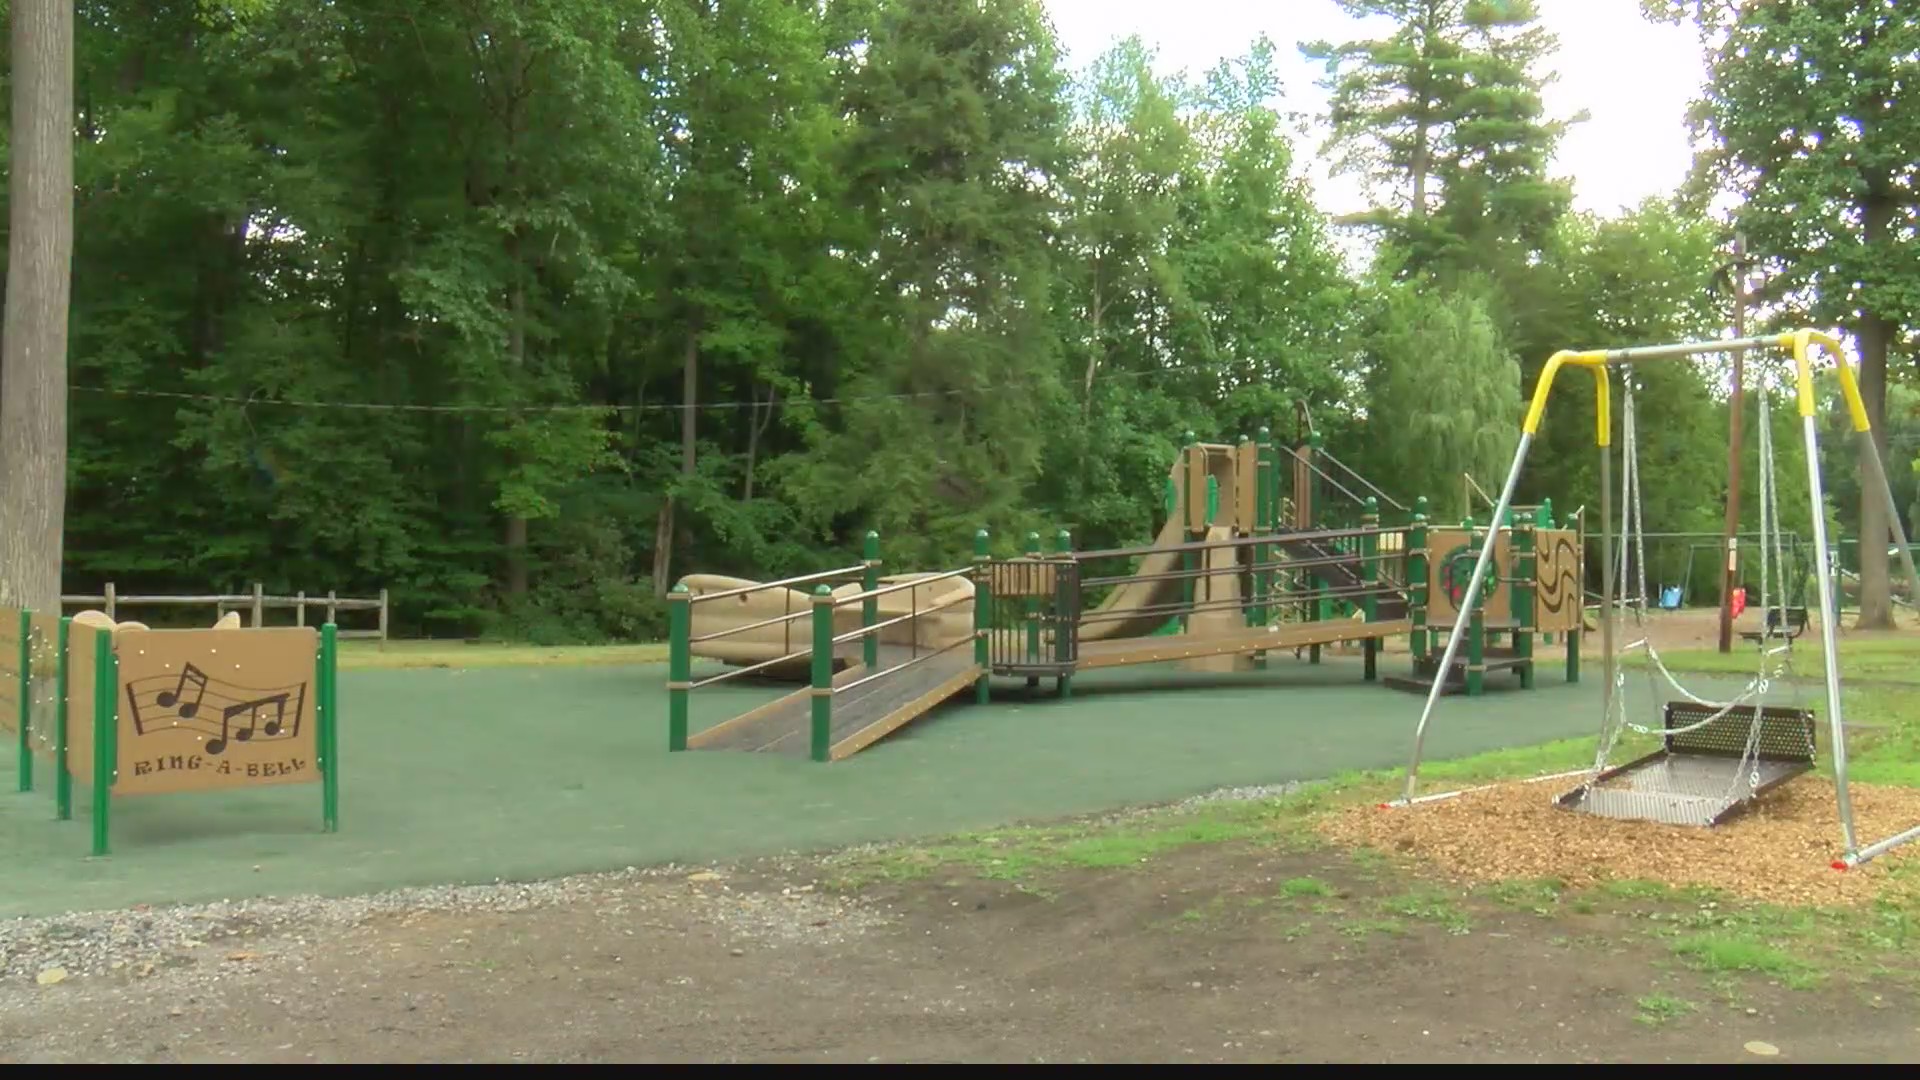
[1444, 117]
[33, 360]
[1812, 119]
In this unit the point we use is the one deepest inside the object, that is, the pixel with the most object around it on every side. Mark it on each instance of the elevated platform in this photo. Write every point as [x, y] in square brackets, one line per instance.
[1154, 650]
[866, 707]
[1493, 660]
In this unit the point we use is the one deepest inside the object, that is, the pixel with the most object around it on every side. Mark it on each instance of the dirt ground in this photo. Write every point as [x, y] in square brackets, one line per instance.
[1215, 953]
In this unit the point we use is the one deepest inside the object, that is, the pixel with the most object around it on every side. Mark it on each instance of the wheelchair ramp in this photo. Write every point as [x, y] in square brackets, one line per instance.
[866, 707]
[1704, 774]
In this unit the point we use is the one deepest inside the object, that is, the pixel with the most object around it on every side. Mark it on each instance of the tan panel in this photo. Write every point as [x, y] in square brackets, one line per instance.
[9, 669]
[1023, 577]
[80, 667]
[205, 709]
[1246, 487]
[1558, 603]
[44, 650]
[1442, 545]
[1196, 489]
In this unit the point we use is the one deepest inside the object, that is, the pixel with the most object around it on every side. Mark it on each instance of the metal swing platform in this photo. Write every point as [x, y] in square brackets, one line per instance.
[1697, 778]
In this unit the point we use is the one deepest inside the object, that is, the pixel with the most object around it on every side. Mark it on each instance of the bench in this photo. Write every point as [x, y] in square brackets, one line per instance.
[1786, 623]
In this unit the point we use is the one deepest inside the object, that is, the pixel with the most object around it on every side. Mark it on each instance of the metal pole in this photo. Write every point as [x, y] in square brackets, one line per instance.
[1607, 585]
[1734, 419]
[1461, 615]
[1829, 638]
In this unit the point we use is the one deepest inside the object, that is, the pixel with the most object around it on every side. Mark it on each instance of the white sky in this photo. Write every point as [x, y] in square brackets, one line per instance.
[1634, 77]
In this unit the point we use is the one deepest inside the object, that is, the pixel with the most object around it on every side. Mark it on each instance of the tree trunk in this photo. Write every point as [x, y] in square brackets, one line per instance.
[1874, 334]
[663, 532]
[515, 539]
[758, 421]
[1094, 352]
[33, 356]
[1876, 604]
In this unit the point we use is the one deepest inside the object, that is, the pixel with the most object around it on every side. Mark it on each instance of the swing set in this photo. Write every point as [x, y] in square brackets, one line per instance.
[1717, 756]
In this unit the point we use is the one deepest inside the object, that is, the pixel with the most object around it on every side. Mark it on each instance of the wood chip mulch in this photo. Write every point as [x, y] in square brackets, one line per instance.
[1781, 850]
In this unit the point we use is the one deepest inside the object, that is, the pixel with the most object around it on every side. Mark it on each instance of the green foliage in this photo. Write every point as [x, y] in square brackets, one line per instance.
[429, 282]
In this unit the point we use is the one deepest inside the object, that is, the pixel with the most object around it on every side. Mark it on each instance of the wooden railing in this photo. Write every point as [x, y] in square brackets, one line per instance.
[256, 603]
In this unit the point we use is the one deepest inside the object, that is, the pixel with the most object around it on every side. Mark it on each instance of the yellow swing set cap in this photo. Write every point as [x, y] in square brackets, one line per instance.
[1797, 342]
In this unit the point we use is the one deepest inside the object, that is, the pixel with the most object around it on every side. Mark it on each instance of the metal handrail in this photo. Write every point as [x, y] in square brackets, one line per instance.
[748, 670]
[774, 621]
[899, 586]
[860, 632]
[1368, 484]
[784, 583]
[1240, 604]
[1289, 536]
[905, 664]
[1254, 568]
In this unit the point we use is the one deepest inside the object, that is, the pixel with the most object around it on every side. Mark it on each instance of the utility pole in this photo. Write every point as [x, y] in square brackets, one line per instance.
[1735, 406]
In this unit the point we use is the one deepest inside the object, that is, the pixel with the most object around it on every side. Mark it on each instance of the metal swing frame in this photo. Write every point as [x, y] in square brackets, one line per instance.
[1800, 345]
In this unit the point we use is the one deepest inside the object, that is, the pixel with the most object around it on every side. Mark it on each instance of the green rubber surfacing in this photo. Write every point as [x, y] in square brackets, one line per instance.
[473, 775]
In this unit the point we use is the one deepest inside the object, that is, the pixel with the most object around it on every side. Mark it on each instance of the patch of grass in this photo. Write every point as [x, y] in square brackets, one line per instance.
[389, 655]
[1715, 952]
[1426, 905]
[1369, 927]
[1305, 886]
[1660, 1008]
[1538, 895]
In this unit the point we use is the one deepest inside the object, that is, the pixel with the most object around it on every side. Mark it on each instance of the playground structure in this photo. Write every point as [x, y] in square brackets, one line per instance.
[1241, 569]
[1716, 757]
[125, 710]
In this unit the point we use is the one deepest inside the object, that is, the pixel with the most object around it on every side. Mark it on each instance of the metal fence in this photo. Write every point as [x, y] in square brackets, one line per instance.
[256, 603]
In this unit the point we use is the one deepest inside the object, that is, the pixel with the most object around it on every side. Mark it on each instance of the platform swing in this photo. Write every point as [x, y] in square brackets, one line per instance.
[1716, 756]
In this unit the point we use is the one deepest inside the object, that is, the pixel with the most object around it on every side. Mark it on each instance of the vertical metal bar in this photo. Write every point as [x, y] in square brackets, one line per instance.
[383, 614]
[1188, 562]
[820, 744]
[1471, 597]
[108, 596]
[679, 664]
[870, 607]
[1829, 636]
[328, 678]
[1525, 570]
[24, 719]
[333, 607]
[105, 721]
[1418, 574]
[260, 606]
[1607, 587]
[982, 616]
[1370, 576]
[300, 608]
[62, 778]
[1066, 612]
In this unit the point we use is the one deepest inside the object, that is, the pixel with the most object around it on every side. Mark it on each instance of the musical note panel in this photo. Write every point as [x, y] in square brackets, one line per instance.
[204, 709]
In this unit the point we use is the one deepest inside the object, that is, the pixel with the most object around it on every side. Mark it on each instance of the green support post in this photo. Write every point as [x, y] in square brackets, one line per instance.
[1030, 611]
[106, 680]
[1543, 518]
[1477, 648]
[1063, 609]
[870, 607]
[1188, 564]
[1370, 577]
[1322, 608]
[327, 678]
[24, 720]
[982, 616]
[820, 745]
[679, 664]
[1524, 562]
[1418, 572]
[62, 779]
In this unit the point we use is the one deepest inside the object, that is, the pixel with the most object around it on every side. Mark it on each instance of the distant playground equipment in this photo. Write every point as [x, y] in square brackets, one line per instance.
[125, 710]
[1716, 757]
[1241, 569]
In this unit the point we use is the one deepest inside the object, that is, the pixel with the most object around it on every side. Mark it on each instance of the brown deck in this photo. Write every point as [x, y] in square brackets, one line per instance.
[862, 715]
[1154, 650]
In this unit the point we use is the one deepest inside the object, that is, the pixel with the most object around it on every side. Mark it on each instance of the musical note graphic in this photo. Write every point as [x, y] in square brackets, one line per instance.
[161, 704]
[252, 710]
[170, 699]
